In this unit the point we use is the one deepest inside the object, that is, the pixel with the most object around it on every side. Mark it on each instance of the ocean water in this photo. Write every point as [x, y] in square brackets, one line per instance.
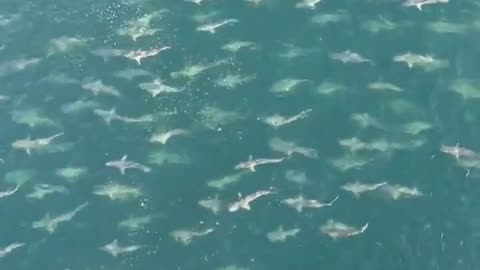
[365, 113]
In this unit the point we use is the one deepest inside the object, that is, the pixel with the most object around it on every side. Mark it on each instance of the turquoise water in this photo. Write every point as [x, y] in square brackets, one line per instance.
[64, 64]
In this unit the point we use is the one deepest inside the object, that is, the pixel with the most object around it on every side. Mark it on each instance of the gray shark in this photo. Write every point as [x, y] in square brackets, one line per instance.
[244, 203]
[6, 250]
[212, 27]
[29, 144]
[337, 230]
[300, 202]
[138, 55]
[115, 249]
[458, 152]
[419, 3]
[49, 224]
[358, 188]
[251, 163]
[281, 235]
[124, 164]
[110, 115]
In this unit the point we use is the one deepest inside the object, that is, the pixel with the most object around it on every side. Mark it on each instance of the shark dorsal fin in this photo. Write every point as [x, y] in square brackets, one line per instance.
[250, 157]
[239, 195]
[124, 158]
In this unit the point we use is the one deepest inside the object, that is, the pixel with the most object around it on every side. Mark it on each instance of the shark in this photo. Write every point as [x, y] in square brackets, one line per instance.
[213, 204]
[115, 249]
[212, 27]
[4, 251]
[358, 188]
[49, 223]
[252, 163]
[110, 115]
[124, 164]
[97, 87]
[277, 120]
[244, 202]
[349, 57]
[163, 137]
[308, 4]
[458, 152]
[185, 236]
[419, 3]
[337, 230]
[29, 144]
[300, 202]
[197, 2]
[281, 235]
[138, 55]
[426, 62]
[157, 87]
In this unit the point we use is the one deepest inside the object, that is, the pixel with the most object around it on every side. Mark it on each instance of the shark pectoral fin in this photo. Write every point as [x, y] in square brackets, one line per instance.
[50, 228]
[246, 207]
[252, 168]
[28, 151]
[122, 170]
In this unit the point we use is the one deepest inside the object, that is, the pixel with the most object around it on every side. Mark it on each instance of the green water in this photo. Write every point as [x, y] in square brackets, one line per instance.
[49, 53]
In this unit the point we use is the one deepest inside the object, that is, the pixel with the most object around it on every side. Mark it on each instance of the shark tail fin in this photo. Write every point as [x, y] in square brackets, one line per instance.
[364, 227]
[334, 200]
